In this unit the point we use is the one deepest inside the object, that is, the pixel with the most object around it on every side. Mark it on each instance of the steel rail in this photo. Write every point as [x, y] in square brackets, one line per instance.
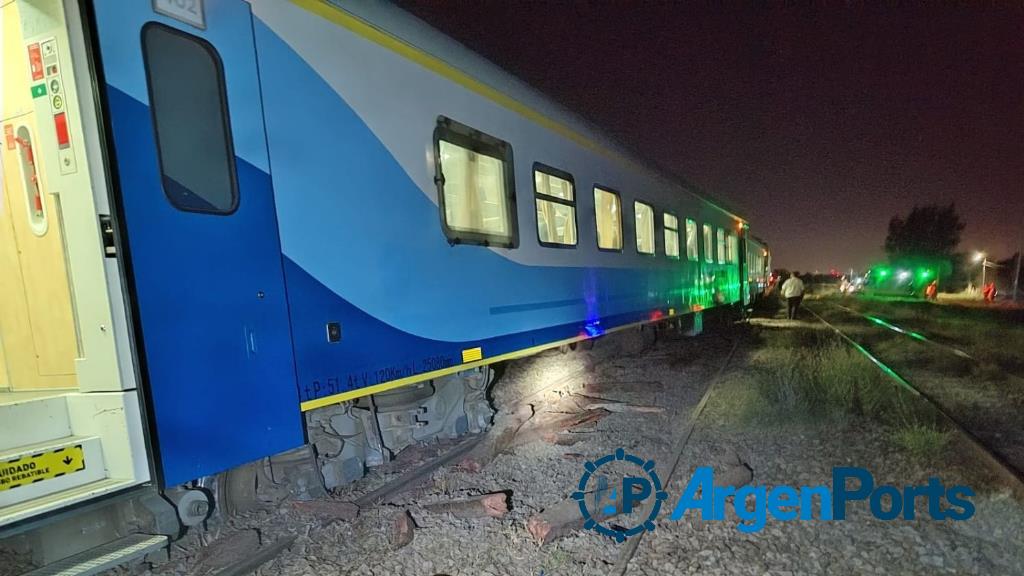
[1013, 477]
[630, 547]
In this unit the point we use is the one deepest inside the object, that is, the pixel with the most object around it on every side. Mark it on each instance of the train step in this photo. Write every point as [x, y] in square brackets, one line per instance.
[32, 417]
[105, 557]
[62, 447]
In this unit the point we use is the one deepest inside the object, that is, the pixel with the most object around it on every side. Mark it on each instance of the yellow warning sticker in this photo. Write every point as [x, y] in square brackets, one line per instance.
[42, 466]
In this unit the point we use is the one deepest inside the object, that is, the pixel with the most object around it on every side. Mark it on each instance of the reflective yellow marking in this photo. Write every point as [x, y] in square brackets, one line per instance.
[24, 470]
[342, 18]
[472, 355]
[385, 386]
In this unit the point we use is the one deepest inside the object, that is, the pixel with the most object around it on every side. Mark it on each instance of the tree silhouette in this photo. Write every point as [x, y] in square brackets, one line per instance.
[930, 231]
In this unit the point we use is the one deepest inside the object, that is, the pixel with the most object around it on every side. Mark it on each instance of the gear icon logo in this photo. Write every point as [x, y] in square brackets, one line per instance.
[598, 502]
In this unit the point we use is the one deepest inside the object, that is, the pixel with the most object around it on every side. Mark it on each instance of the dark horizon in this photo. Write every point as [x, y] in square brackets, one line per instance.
[817, 124]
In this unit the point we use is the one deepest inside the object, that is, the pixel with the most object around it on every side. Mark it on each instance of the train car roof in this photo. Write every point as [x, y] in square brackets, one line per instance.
[758, 240]
[396, 22]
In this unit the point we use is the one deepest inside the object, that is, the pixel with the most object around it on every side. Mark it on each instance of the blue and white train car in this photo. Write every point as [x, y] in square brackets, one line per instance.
[304, 203]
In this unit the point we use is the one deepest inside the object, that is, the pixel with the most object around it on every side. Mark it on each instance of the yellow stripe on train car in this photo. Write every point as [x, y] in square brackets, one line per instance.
[339, 16]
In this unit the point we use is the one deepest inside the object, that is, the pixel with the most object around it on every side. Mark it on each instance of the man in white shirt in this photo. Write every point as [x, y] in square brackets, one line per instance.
[793, 292]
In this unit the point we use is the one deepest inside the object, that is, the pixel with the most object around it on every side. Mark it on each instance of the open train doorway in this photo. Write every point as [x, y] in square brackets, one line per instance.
[71, 424]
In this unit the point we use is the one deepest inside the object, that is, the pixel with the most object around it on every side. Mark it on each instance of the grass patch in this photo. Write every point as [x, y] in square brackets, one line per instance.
[805, 376]
[811, 377]
[991, 373]
[991, 335]
[921, 440]
[817, 379]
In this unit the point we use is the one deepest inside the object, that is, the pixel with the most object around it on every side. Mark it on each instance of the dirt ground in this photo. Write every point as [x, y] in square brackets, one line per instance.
[735, 433]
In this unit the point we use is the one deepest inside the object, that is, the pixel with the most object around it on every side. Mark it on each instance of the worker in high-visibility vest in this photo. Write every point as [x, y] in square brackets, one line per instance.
[989, 292]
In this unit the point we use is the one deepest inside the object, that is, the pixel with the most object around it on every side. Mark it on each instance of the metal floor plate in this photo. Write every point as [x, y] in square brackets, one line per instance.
[103, 557]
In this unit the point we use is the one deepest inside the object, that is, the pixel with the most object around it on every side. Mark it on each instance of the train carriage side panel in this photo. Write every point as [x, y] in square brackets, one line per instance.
[350, 123]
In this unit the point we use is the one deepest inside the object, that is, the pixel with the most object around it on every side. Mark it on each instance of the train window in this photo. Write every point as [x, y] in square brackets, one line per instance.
[193, 138]
[608, 212]
[671, 225]
[555, 195]
[733, 248]
[475, 186]
[691, 240]
[644, 227]
[721, 246]
[709, 244]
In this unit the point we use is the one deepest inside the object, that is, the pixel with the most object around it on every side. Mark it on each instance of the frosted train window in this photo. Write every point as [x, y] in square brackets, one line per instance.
[671, 225]
[34, 201]
[721, 246]
[190, 119]
[555, 195]
[476, 190]
[709, 244]
[608, 212]
[691, 240]
[644, 227]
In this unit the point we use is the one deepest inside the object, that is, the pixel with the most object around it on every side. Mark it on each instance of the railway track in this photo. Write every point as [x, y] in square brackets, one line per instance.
[1000, 460]
[629, 550]
[906, 332]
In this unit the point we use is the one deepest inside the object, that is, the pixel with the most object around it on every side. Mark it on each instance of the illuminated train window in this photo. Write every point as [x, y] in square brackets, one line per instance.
[644, 227]
[190, 118]
[555, 195]
[608, 213]
[475, 186]
[721, 246]
[691, 240]
[733, 248]
[671, 225]
[34, 201]
[709, 244]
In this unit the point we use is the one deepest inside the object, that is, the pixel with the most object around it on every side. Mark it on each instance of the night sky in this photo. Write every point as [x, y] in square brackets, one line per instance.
[817, 124]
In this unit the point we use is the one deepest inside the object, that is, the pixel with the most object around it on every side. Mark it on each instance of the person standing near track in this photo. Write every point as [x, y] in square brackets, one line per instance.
[793, 292]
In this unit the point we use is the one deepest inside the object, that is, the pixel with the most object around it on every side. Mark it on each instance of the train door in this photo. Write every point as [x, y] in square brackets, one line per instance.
[182, 100]
[744, 266]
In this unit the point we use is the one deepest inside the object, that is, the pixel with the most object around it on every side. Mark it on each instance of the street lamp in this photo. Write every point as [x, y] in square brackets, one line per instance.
[985, 263]
[979, 256]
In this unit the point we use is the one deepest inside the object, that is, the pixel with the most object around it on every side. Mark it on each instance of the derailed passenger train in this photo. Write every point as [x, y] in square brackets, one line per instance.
[230, 213]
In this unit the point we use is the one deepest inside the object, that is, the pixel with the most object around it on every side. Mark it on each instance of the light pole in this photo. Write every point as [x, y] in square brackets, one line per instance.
[1016, 270]
[1016, 275]
[986, 263]
[980, 257]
